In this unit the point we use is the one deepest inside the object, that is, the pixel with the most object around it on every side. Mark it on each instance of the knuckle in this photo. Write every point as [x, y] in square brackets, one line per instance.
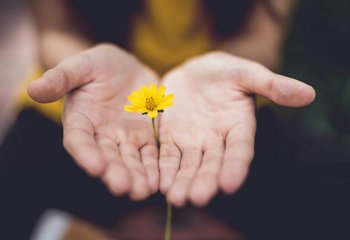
[62, 75]
[85, 62]
[104, 141]
[151, 168]
[131, 155]
[192, 153]
[57, 80]
[245, 70]
[188, 165]
[167, 171]
[138, 172]
[149, 151]
[169, 152]
[191, 158]
[270, 87]
[128, 150]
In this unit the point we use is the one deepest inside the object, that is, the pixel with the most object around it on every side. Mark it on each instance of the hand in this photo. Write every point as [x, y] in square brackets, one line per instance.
[103, 139]
[207, 137]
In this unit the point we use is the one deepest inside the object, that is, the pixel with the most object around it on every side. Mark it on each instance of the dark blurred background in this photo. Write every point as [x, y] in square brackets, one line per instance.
[299, 183]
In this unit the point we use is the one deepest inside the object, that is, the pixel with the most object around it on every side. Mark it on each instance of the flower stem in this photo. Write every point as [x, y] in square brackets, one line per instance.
[167, 233]
[155, 132]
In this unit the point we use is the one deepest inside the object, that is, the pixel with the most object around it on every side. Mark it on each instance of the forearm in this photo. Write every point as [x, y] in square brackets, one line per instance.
[58, 45]
[262, 36]
[59, 35]
[269, 20]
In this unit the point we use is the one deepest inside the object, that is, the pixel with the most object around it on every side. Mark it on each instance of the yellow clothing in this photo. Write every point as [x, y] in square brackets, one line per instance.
[169, 32]
[51, 110]
[165, 34]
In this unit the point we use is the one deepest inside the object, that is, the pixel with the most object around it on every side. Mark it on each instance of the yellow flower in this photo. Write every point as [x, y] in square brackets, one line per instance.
[149, 101]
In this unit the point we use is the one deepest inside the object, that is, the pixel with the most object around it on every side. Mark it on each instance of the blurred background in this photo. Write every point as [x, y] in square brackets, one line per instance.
[18, 51]
[299, 182]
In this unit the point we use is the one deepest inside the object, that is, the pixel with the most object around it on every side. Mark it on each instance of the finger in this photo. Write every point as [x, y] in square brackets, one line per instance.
[205, 184]
[279, 89]
[169, 161]
[239, 152]
[190, 162]
[149, 159]
[79, 140]
[116, 176]
[55, 83]
[131, 157]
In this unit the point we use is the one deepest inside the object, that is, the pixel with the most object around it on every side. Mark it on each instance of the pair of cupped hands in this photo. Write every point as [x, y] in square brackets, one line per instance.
[207, 136]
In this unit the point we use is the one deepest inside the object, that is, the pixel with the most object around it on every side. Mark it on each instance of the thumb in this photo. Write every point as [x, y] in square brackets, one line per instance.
[58, 81]
[279, 89]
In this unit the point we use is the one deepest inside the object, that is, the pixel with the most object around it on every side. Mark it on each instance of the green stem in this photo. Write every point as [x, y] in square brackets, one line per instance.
[167, 233]
[155, 132]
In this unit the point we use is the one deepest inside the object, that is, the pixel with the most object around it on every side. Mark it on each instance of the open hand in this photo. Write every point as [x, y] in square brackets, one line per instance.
[102, 138]
[207, 137]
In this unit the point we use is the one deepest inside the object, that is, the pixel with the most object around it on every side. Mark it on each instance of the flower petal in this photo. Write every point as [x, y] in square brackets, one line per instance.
[152, 114]
[166, 102]
[153, 90]
[144, 91]
[130, 108]
[168, 97]
[160, 94]
[135, 99]
[164, 105]
[142, 110]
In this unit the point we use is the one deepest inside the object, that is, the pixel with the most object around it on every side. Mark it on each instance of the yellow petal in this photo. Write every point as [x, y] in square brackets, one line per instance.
[136, 100]
[137, 94]
[164, 105]
[152, 90]
[167, 101]
[152, 114]
[160, 94]
[144, 91]
[130, 108]
[169, 96]
[142, 110]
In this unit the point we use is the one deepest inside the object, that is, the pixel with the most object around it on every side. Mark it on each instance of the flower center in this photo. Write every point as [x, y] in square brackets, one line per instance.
[150, 104]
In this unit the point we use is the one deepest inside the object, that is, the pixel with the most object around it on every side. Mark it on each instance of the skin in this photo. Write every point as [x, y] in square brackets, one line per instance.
[207, 137]
[103, 139]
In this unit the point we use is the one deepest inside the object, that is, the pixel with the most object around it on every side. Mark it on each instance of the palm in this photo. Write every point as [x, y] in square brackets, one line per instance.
[207, 137]
[118, 135]
[102, 138]
[205, 112]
